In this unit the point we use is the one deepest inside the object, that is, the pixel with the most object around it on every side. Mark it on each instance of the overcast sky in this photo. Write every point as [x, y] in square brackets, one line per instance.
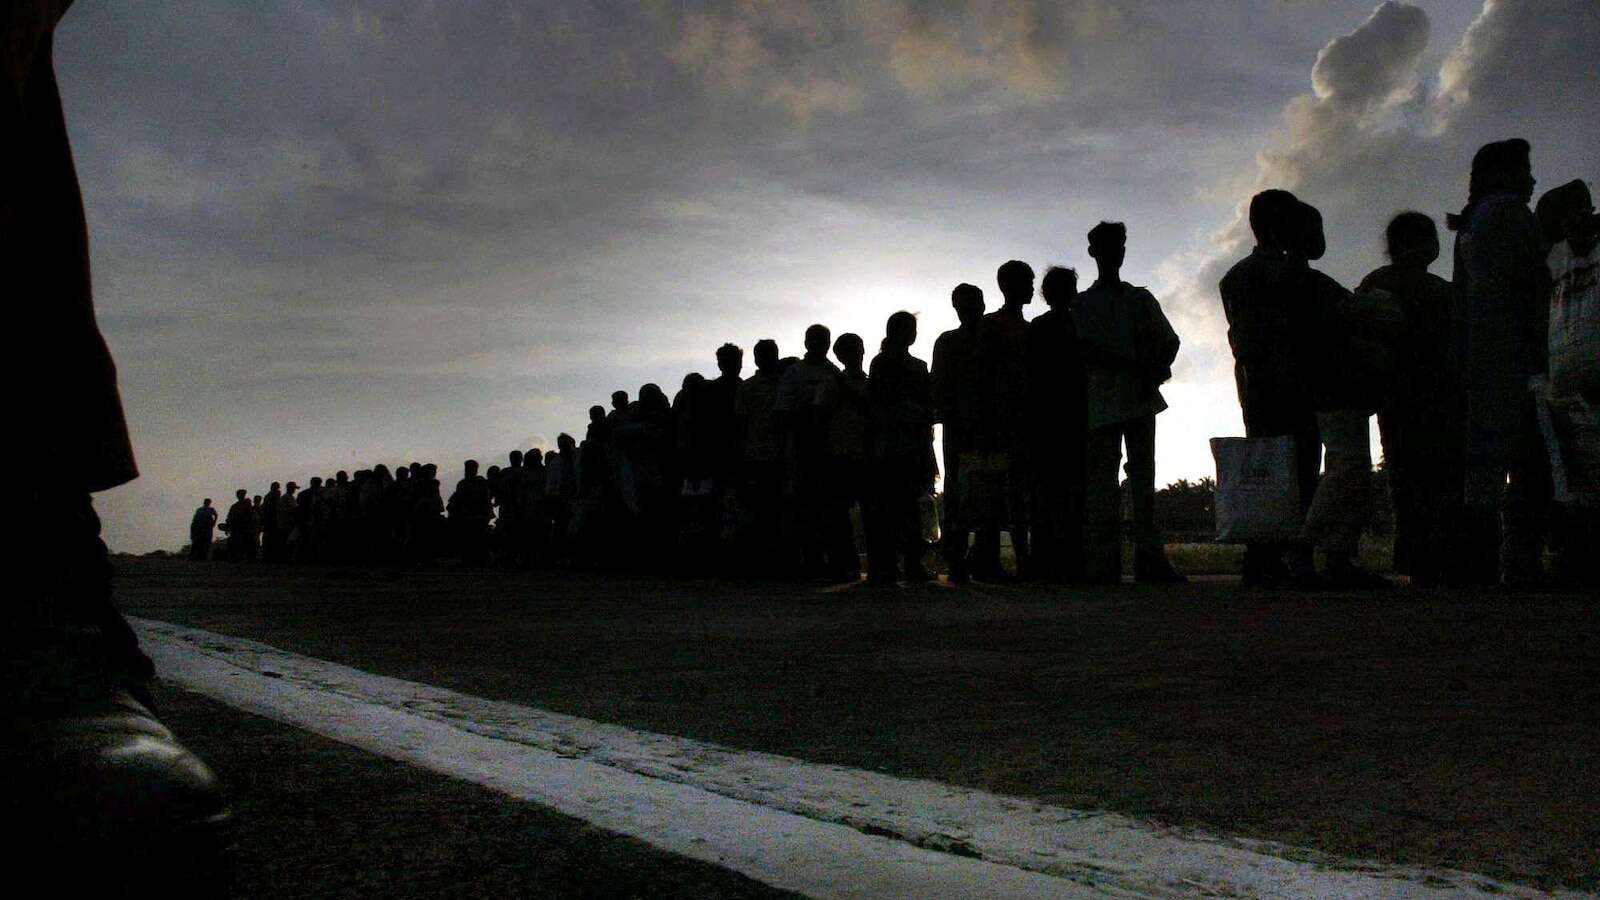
[327, 234]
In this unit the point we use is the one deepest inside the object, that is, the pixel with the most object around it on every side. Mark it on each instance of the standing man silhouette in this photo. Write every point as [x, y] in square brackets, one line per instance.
[200, 530]
[1128, 349]
[957, 406]
[1002, 367]
[1058, 405]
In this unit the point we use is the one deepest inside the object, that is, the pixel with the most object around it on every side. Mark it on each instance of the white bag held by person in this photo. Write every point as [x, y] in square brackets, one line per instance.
[1258, 490]
[1574, 320]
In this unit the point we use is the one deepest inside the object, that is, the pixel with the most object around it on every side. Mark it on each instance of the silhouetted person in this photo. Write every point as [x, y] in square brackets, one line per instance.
[1420, 416]
[1567, 218]
[305, 515]
[377, 527]
[273, 541]
[1346, 386]
[721, 421]
[287, 512]
[561, 492]
[1002, 373]
[1058, 407]
[619, 405]
[510, 519]
[848, 410]
[241, 527]
[688, 428]
[958, 398]
[761, 473]
[1128, 349]
[397, 512]
[1502, 289]
[901, 456]
[804, 425]
[1258, 298]
[537, 520]
[469, 510]
[201, 528]
[645, 436]
[427, 511]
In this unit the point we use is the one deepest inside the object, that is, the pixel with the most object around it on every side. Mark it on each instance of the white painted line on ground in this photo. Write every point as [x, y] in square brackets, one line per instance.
[824, 831]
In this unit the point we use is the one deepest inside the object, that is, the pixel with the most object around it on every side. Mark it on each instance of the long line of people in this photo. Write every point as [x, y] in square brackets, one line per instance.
[764, 472]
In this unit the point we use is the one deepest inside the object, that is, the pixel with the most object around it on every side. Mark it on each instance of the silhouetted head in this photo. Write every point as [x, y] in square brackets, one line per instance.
[818, 339]
[850, 350]
[515, 458]
[290, 488]
[342, 476]
[416, 469]
[619, 400]
[730, 360]
[316, 482]
[1016, 282]
[470, 467]
[1561, 210]
[402, 473]
[256, 500]
[493, 473]
[206, 502]
[240, 494]
[900, 332]
[693, 380]
[1108, 244]
[381, 471]
[766, 354]
[1270, 214]
[652, 398]
[968, 302]
[1059, 287]
[430, 471]
[1502, 167]
[597, 413]
[565, 443]
[1412, 240]
[1304, 237]
[551, 456]
[534, 456]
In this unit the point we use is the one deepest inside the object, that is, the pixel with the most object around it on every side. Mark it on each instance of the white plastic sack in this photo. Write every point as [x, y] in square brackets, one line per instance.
[1574, 321]
[1258, 490]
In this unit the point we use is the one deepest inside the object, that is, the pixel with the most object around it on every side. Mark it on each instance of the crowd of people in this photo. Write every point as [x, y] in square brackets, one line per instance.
[763, 472]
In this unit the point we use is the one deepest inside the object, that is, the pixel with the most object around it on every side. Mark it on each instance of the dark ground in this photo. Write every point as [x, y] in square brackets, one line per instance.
[317, 819]
[1436, 729]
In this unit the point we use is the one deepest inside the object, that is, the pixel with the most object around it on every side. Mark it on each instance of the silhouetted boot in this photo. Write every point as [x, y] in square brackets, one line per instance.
[105, 800]
[101, 797]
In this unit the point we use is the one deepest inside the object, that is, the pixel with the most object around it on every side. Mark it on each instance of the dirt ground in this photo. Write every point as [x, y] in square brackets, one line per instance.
[1449, 729]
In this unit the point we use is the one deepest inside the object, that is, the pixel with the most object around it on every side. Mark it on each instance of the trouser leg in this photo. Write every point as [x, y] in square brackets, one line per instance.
[1525, 509]
[1341, 504]
[953, 527]
[1018, 504]
[1102, 505]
